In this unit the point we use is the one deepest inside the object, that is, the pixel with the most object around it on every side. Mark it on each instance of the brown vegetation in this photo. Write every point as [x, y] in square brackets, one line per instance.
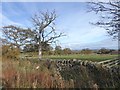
[54, 74]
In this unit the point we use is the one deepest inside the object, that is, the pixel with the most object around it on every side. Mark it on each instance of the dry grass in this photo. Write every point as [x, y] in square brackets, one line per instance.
[25, 74]
[38, 74]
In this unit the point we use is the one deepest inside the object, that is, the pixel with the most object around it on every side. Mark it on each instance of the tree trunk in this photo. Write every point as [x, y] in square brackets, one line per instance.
[40, 52]
[40, 47]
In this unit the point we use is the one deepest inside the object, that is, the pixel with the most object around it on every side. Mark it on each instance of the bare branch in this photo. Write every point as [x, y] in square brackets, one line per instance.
[50, 40]
[111, 18]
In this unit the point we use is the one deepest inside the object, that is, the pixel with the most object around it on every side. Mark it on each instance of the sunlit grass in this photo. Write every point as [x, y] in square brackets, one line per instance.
[92, 57]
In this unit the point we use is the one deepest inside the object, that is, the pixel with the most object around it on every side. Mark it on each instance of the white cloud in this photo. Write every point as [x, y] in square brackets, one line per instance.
[78, 29]
[7, 21]
[93, 34]
[106, 43]
[94, 39]
[88, 35]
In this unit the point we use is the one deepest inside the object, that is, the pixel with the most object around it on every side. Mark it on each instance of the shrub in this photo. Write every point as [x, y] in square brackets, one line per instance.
[10, 52]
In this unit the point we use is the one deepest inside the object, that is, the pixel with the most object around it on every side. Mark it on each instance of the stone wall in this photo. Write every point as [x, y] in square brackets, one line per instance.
[86, 74]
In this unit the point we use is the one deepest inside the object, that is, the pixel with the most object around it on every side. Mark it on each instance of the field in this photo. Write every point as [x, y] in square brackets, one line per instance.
[90, 57]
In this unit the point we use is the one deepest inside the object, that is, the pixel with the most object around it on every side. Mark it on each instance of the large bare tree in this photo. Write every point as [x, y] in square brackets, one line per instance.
[44, 27]
[109, 12]
[42, 33]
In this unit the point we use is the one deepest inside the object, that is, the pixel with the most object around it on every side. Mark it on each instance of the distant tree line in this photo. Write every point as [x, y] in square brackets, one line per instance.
[49, 50]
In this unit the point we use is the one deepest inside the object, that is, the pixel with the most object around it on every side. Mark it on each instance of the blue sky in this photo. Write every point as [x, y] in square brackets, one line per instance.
[73, 19]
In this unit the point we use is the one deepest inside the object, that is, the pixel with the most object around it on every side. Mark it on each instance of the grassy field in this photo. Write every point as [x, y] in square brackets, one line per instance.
[91, 57]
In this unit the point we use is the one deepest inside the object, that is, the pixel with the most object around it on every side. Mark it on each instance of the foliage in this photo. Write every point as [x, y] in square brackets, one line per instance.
[86, 51]
[104, 51]
[10, 52]
[67, 51]
[35, 47]
[58, 50]
[16, 36]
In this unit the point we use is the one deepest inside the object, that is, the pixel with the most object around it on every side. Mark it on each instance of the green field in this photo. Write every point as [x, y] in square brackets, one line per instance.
[91, 57]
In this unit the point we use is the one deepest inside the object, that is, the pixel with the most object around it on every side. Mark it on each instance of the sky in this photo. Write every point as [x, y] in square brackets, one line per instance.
[52, 0]
[73, 19]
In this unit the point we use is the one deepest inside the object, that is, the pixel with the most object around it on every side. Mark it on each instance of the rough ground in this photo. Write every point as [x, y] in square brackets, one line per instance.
[58, 74]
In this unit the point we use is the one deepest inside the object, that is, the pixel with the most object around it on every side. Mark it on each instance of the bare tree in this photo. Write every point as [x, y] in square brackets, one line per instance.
[15, 36]
[44, 27]
[110, 15]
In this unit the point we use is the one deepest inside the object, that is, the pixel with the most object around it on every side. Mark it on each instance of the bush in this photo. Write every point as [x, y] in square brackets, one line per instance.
[86, 51]
[10, 52]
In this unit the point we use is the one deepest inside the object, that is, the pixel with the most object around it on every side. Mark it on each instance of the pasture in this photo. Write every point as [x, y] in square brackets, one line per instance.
[90, 57]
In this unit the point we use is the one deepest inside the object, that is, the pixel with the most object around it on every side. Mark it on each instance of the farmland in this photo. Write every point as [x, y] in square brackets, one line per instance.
[90, 57]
